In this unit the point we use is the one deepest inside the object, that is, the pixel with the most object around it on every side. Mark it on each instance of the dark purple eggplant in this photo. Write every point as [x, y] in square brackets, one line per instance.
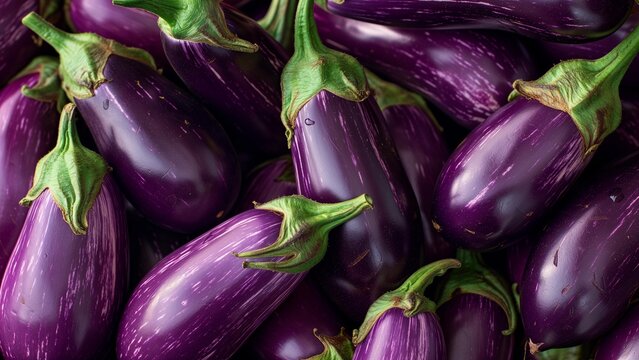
[517, 258]
[582, 274]
[66, 278]
[238, 80]
[28, 119]
[402, 324]
[552, 20]
[268, 181]
[170, 156]
[466, 74]
[203, 302]
[515, 166]
[623, 342]
[625, 140]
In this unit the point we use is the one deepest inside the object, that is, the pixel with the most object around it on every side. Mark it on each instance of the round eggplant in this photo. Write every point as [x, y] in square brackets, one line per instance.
[623, 342]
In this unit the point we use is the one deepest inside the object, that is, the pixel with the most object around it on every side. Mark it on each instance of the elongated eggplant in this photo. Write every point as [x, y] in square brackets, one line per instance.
[28, 119]
[467, 74]
[581, 276]
[239, 80]
[515, 166]
[553, 20]
[402, 324]
[268, 181]
[623, 342]
[204, 290]
[66, 278]
[170, 156]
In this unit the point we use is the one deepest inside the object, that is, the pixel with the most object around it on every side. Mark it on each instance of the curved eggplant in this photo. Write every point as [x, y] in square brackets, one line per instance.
[581, 276]
[170, 156]
[28, 122]
[466, 74]
[202, 302]
[268, 181]
[623, 342]
[552, 20]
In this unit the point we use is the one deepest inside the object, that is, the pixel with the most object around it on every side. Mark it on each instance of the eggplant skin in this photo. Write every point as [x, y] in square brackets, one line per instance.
[624, 141]
[266, 183]
[61, 293]
[472, 326]
[170, 156]
[27, 132]
[199, 302]
[397, 337]
[582, 274]
[17, 45]
[472, 83]
[506, 175]
[623, 342]
[552, 20]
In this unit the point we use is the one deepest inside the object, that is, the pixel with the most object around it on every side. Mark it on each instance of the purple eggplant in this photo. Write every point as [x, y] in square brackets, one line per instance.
[582, 274]
[515, 166]
[552, 20]
[625, 140]
[623, 342]
[203, 302]
[239, 80]
[466, 74]
[517, 258]
[170, 156]
[66, 278]
[268, 181]
[402, 324]
[28, 119]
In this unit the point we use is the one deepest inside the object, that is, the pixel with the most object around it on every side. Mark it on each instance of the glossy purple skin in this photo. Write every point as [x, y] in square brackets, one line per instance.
[340, 149]
[552, 20]
[61, 293]
[472, 326]
[517, 258]
[583, 272]
[625, 140]
[266, 183]
[27, 132]
[170, 156]
[128, 26]
[396, 337]
[17, 44]
[422, 151]
[506, 175]
[467, 74]
[198, 302]
[623, 342]
[288, 333]
[242, 89]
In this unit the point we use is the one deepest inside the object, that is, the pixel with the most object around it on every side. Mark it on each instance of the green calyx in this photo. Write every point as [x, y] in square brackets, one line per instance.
[409, 297]
[47, 89]
[587, 90]
[314, 67]
[303, 236]
[475, 278]
[580, 352]
[337, 347]
[72, 173]
[279, 21]
[82, 56]
[200, 21]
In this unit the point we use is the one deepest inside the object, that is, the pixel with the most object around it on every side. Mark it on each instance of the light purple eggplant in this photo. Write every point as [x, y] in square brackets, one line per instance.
[203, 302]
[623, 342]
[268, 181]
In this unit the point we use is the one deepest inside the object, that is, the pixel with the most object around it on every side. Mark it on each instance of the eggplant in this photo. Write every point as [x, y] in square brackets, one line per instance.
[66, 278]
[581, 276]
[466, 74]
[553, 20]
[623, 342]
[203, 301]
[624, 142]
[514, 167]
[268, 181]
[239, 80]
[402, 324]
[170, 156]
[517, 258]
[28, 119]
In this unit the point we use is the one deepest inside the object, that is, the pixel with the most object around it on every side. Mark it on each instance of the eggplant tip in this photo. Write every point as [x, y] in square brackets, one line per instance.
[534, 348]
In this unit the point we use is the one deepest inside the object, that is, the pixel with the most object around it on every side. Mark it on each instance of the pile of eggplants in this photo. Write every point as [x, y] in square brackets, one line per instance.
[319, 179]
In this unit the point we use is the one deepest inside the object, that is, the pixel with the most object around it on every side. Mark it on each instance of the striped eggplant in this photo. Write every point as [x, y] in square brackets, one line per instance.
[515, 166]
[238, 79]
[66, 278]
[552, 20]
[623, 342]
[402, 324]
[268, 181]
[466, 74]
[170, 156]
[28, 119]
[203, 301]
[582, 274]
[341, 147]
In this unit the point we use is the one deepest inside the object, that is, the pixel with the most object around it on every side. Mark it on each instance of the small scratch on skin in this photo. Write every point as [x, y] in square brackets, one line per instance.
[219, 214]
[555, 259]
[469, 231]
[359, 258]
[436, 226]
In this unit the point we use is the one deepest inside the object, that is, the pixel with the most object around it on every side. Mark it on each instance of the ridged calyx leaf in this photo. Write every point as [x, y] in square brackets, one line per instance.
[338, 347]
[48, 88]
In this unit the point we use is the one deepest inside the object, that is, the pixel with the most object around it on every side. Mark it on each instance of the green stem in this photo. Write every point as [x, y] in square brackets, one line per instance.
[338, 347]
[280, 20]
[47, 89]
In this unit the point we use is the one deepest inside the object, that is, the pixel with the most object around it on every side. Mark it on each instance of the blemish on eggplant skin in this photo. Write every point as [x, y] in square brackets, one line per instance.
[555, 259]
[219, 214]
[105, 104]
[359, 258]
[309, 121]
[470, 231]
